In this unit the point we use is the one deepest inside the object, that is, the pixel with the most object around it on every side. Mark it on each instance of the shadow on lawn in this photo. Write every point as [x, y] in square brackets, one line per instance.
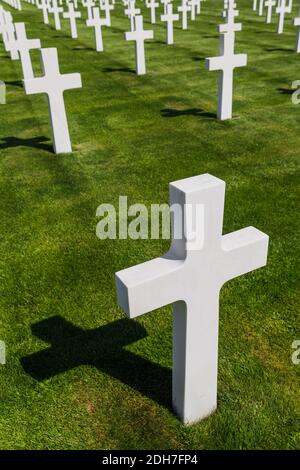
[278, 49]
[36, 142]
[170, 113]
[286, 91]
[119, 69]
[103, 348]
[83, 48]
[17, 83]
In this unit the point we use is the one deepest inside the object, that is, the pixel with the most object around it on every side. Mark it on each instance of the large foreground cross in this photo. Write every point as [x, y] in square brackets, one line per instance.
[190, 276]
[53, 83]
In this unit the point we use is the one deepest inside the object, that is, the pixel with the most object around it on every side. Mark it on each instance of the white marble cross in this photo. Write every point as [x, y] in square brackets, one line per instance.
[165, 3]
[169, 18]
[193, 5]
[131, 12]
[44, 6]
[184, 9]
[75, 3]
[56, 10]
[226, 63]
[296, 23]
[8, 35]
[88, 4]
[269, 4]
[281, 10]
[152, 4]
[254, 6]
[96, 22]
[24, 45]
[190, 276]
[72, 16]
[53, 83]
[107, 8]
[139, 35]
[261, 7]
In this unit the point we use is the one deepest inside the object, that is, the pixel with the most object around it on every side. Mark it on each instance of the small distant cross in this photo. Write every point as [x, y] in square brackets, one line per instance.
[96, 22]
[226, 62]
[139, 35]
[72, 15]
[23, 45]
[269, 4]
[281, 10]
[131, 12]
[297, 24]
[88, 4]
[184, 9]
[169, 18]
[56, 10]
[44, 6]
[152, 4]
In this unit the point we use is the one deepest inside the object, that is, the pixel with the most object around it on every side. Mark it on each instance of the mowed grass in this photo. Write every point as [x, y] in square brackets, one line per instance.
[79, 375]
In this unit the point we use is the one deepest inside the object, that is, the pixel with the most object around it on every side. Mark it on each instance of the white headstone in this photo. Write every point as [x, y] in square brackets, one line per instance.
[53, 83]
[97, 22]
[107, 8]
[8, 35]
[296, 23]
[165, 3]
[261, 7]
[281, 10]
[193, 5]
[139, 35]
[88, 4]
[24, 45]
[226, 63]
[169, 18]
[190, 276]
[152, 4]
[269, 4]
[184, 9]
[56, 10]
[44, 6]
[131, 12]
[72, 16]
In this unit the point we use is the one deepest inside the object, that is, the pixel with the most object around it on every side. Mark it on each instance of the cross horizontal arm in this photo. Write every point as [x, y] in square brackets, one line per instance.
[35, 85]
[244, 251]
[224, 28]
[226, 62]
[148, 286]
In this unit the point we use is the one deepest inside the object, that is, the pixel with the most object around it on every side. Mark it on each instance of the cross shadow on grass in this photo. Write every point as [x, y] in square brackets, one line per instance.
[103, 348]
[17, 83]
[286, 91]
[36, 142]
[198, 59]
[278, 49]
[83, 48]
[118, 69]
[171, 113]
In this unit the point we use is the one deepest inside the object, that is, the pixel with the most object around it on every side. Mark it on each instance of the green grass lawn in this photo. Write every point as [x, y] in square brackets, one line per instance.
[79, 374]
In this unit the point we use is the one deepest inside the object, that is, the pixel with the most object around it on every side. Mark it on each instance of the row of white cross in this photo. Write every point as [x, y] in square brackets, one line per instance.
[188, 278]
[14, 4]
[53, 83]
[283, 7]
